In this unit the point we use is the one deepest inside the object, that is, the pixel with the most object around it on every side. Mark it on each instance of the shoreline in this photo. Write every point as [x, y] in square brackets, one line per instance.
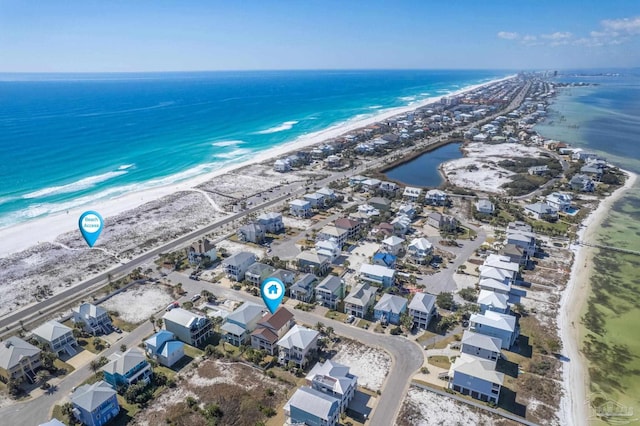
[575, 382]
[22, 236]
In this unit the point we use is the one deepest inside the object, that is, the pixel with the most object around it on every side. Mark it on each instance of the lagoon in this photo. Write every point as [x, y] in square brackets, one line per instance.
[424, 169]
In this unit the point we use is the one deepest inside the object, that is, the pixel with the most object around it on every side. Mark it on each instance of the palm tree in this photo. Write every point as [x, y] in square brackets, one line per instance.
[159, 322]
[152, 320]
[320, 326]
[123, 348]
[329, 331]
[42, 376]
[94, 365]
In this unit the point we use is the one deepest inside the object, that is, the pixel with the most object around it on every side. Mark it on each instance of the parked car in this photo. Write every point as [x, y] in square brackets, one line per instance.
[195, 297]
[173, 305]
[350, 319]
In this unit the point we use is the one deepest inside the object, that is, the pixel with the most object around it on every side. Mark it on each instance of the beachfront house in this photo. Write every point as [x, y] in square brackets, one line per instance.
[333, 379]
[541, 211]
[340, 235]
[281, 166]
[164, 348]
[330, 291]
[495, 286]
[57, 337]
[412, 194]
[192, 329]
[420, 250]
[303, 289]
[376, 274]
[389, 309]
[270, 329]
[312, 262]
[252, 233]
[583, 183]
[480, 346]
[522, 239]
[126, 368]
[492, 301]
[300, 208]
[236, 266]
[476, 377]
[389, 188]
[495, 324]
[515, 254]
[435, 197]
[94, 319]
[271, 222]
[393, 245]
[485, 206]
[95, 404]
[422, 309]
[309, 406]
[298, 345]
[497, 274]
[559, 201]
[19, 360]
[200, 250]
[239, 324]
[360, 299]
[258, 272]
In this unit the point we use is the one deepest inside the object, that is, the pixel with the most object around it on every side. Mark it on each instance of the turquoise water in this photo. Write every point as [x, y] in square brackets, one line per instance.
[69, 140]
[424, 169]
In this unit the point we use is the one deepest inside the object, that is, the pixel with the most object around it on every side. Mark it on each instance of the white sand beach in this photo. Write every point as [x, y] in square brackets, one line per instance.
[573, 408]
[22, 236]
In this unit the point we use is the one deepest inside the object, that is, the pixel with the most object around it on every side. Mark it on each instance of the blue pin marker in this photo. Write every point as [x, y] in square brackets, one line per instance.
[272, 291]
[90, 224]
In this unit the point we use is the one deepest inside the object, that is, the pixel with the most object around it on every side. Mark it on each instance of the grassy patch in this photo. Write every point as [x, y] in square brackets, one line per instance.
[61, 365]
[439, 361]
[425, 338]
[363, 323]
[87, 343]
[335, 315]
[124, 325]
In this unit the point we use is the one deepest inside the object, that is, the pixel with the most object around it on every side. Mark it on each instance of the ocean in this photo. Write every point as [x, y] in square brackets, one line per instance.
[69, 140]
[606, 119]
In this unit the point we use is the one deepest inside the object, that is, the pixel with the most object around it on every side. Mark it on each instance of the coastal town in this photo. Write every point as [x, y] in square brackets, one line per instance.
[405, 303]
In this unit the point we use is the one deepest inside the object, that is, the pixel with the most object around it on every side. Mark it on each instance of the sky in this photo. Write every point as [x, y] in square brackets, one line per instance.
[161, 35]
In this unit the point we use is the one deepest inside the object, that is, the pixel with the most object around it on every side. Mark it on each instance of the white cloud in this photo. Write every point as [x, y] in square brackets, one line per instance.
[529, 38]
[558, 36]
[508, 35]
[629, 26]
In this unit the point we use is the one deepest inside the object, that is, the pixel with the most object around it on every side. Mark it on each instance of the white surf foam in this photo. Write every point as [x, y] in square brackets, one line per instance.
[75, 186]
[227, 143]
[287, 125]
[233, 154]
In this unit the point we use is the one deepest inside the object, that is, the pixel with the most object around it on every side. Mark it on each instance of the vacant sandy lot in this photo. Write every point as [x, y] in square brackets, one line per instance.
[139, 302]
[370, 365]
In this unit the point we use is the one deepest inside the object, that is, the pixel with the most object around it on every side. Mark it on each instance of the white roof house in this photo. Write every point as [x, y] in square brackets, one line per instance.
[420, 247]
[298, 337]
[412, 193]
[493, 285]
[489, 272]
[377, 273]
[480, 341]
[501, 262]
[493, 301]
[308, 404]
[333, 379]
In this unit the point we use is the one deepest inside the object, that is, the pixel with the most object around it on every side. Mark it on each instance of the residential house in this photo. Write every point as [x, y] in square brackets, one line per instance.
[351, 226]
[485, 206]
[192, 329]
[497, 274]
[95, 404]
[422, 309]
[338, 234]
[308, 406]
[201, 249]
[312, 262]
[480, 346]
[580, 182]
[329, 248]
[330, 291]
[252, 233]
[53, 422]
[538, 170]
[541, 211]
[126, 368]
[239, 324]
[380, 203]
[384, 259]
[495, 286]
[59, 338]
[271, 222]
[19, 360]
[559, 201]
[495, 324]
[389, 309]
[333, 379]
[476, 377]
[420, 250]
[376, 274]
[236, 266]
[270, 329]
[284, 275]
[328, 194]
[258, 272]
[412, 194]
[298, 346]
[95, 319]
[303, 289]
[333, 161]
[592, 170]
[281, 166]
[164, 348]
[383, 229]
[401, 224]
[359, 300]
[370, 184]
[442, 222]
[515, 254]
[356, 180]
[365, 212]
[389, 187]
[393, 245]
[300, 208]
[435, 197]
[408, 210]
[524, 240]
[493, 301]
[315, 199]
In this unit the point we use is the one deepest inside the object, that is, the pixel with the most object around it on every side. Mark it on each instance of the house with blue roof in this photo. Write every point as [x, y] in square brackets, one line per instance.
[164, 348]
[389, 308]
[384, 259]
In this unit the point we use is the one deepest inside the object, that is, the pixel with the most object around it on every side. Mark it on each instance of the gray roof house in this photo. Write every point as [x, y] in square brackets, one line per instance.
[303, 288]
[359, 300]
[495, 324]
[58, 337]
[239, 324]
[422, 309]
[252, 233]
[309, 406]
[298, 345]
[192, 329]
[95, 318]
[389, 308]
[310, 261]
[476, 377]
[258, 272]
[236, 266]
[481, 346]
[95, 404]
[18, 360]
[333, 379]
[541, 211]
[330, 291]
